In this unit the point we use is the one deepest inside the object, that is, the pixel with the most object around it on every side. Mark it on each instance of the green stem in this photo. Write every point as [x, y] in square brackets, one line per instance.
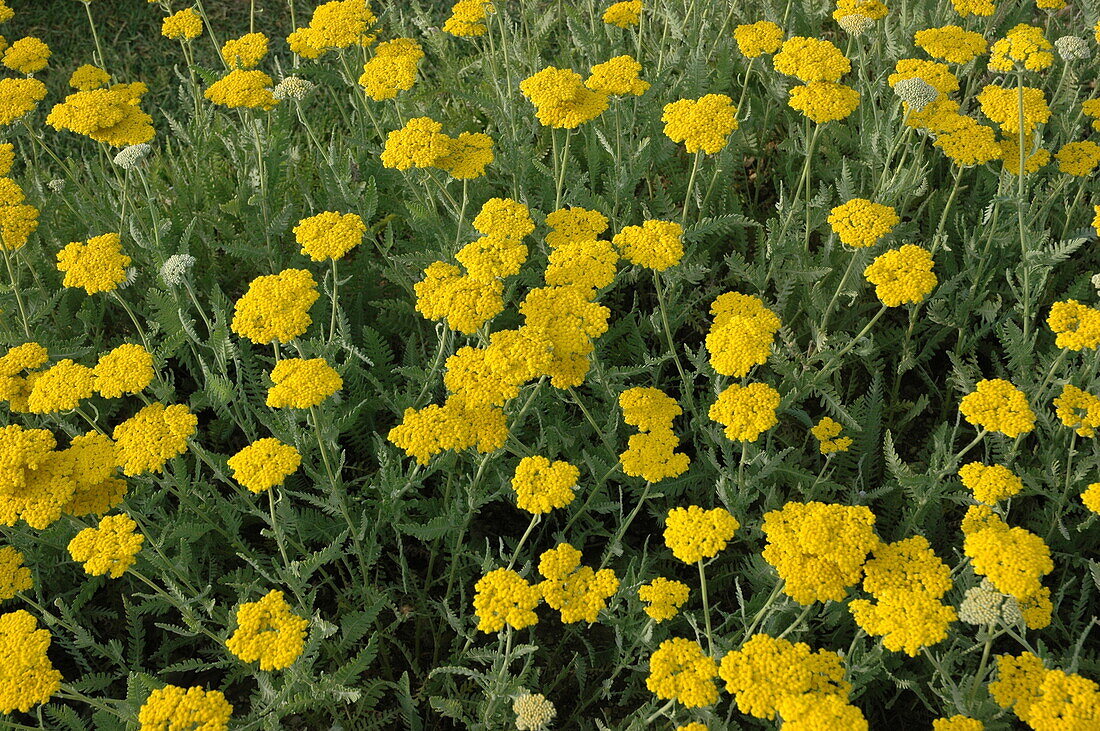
[335, 285]
[706, 608]
[690, 187]
[663, 310]
[523, 539]
[18, 295]
[561, 170]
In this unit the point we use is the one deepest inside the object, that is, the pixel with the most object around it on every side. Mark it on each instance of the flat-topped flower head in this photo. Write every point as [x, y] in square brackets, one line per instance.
[96, 265]
[655, 245]
[951, 43]
[468, 18]
[663, 598]
[111, 548]
[746, 412]
[393, 69]
[824, 101]
[14, 576]
[579, 593]
[861, 223]
[1022, 47]
[983, 8]
[534, 712]
[1079, 410]
[148, 439]
[561, 99]
[27, 55]
[902, 276]
[742, 333]
[998, 406]
[301, 383]
[264, 464]
[247, 88]
[703, 125]
[245, 52]
[27, 677]
[18, 97]
[275, 307]
[171, 708]
[541, 485]
[60, 388]
[1076, 326]
[811, 59]
[419, 144]
[128, 369]
[186, 25]
[693, 534]
[503, 597]
[827, 433]
[1002, 105]
[756, 39]
[625, 14]
[679, 670]
[89, 77]
[329, 235]
[268, 632]
[907, 621]
[990, 483]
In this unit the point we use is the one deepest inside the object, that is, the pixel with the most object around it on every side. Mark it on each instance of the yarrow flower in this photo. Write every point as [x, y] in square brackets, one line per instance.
[468, 18]
[578, 592]
[130, 156]
[18, 97]
[663, 598]
[902, 276]
[108, 549]
[268, 631]
[811, 59]
[809, 713]
[561, 99]
[264, 464]
[88, 77]
[756, 39]
[27, 55]
[1090, 498]
[152, 436]
[1025, 47]
[827, 432]
[171, 707]
[861, 223]
[503, 597]
[974, 7]
[998, 406]
[819, 549]
[329, 235]
[96, 265]
[693, 534]
[951, 43]
[27, 677]
[392, 69]
[824, 101]
[1079, 410]
[186, 25]
[679, 670]
[990, 483]
[276, 306]
[419, 144]
[534, 712]
[651, 453]
[1002, 105]
[111, 115]
[623, 14]
[741, 335]
[617, 77]
[60, 388]
[746, 412]
[245, 52]
[1044, 698]
[1078, 158]
[334, 25]
[14, 576]
[302, 383]
[1075, 326]
[542, 485]
[655, 245]
[247, 88]
[128, 369]
[703, 125]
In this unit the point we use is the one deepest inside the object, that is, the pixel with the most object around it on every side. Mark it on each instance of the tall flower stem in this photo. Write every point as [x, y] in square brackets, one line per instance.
[18, 295]
[687, 391]
[1020, 204]
[690, 187]
[133, 318]
[561, 170]
[335, 285]
[706, 607]
[523, 539]
[102, 60]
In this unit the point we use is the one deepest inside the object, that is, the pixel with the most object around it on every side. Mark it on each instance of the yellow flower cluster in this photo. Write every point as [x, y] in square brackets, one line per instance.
[589, 263]
[336, 24]
[679, 670]
[974, 7]
[172, 708]
[456, 425]
[572, 225]
[468, 18]
[265, 463]
[990, 483]
[19, 96]
[60, 388]
[36, 482]
[329, 235]
[810, 713]
[421, 143]
[561, 99]
[14, 387]
[1045, 699]
[1076, 326]
[756, 39]
[268, 631]
[902, 276]
[1022, 47]
[623, 14]
[703, 125]
[1014, 560]
[651, 453]
[27, 677]
[542, 485]
[663, 598]
[907, 581]
[504, 597]
[1078, 158]
[275, 307]
[1090, 108]
[811, 59]
[936, 75]
[693, 534]
[655, 245]
[186, 25]
[493, 375]
[248, 88]
[827, 432]
[819, 549]
[862, 223]
[152, 436]
[1002, 105]
[89, 77]
[95, 462]
[534, 712]
[570, 319]
[578, 592]
[1079, 410]
[108, 549]
[617, 77]
[113, 115]
[14, 576]
[245, 52]
[97, 265]
[128, 369]
[18, 219]
[27, 55]
[766, 671]
[746, 412]
[302, 383]
[998, 406]
[392, 69]
[1090, 498]
[824, 101]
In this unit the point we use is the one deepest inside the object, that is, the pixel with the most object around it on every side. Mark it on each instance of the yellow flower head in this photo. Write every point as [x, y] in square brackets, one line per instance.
[419, 144]
[908, 565]
[998, 406]
[534, 712]
[951, 43]
[902, 276]
[1076, 326]
[336, 24]
[766, 671]
[301, 384]
[245, 52]
[504, 218]
[275, 307]
[703, 125]
[974, 7]
[587, 263]
[648, 408]
[171, 707]
[623, 14]
[741, 335]
[14, 576]
[561, 99]
[109, 549]
[811, 59]
[756, 39]
[60, 388]
[827, 432]
[36, 482]
[18, 97]
[579, 593]
[655, 245]
[1022, 47]
[456, 425]
[990, 483]
[906, 620]
[1078, 158]
[542, 485]
[663, 598]
[248, 88]
[464, 301]
[1078, 409]
[1013, 559]
[468, 18]
[572, 225]
[1091, 497]
[392, 69]
[1002, 105]
[861, 223]
[679, 670]
[746, 411]
[937, 75]
[810, 712]
[824, 101]
[819, 549]
[186, 25]
[96, 265]
[27, 677]
[467, 155]
[264, 464]
[268, 631]
[89, 77]
[693, 534]
[152, 436]
[27, 55]
[329, 235]
[503, 597]
[127, 369]
[617, 77]
[113, 115]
